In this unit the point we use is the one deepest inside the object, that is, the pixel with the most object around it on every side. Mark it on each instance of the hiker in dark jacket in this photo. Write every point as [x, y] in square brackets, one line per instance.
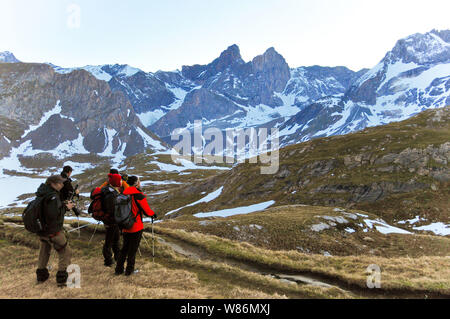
[53, 211]
[112, 237]
[132, 237]
[67, 192]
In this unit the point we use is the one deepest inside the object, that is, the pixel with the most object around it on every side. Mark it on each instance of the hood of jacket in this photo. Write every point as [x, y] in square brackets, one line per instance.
[132, 190]
[45, 190]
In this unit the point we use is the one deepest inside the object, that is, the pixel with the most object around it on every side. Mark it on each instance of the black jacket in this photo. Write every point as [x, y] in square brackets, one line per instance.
[68, 190]
[53, 210]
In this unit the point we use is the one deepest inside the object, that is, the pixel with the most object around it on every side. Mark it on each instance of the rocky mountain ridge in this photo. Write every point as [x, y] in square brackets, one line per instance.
[74, 112]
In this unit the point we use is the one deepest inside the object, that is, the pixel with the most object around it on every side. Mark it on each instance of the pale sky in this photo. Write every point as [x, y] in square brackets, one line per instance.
[166, 34]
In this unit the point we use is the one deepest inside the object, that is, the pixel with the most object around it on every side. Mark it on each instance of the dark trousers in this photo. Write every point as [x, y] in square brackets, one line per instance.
[111, 245]
[130, 247]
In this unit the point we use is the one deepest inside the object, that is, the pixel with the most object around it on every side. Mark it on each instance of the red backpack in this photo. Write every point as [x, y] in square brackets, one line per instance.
[102, 205]
[95, 208]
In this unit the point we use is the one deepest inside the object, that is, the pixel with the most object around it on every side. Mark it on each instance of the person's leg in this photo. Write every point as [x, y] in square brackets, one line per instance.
[134, 246]
[64, 251]
[115, 242]
[123, 254]
[61, 245]
[44, 256]
[44, 253]
[107, 254]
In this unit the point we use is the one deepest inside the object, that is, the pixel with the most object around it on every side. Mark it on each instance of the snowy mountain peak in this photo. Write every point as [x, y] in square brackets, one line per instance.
[102, 72]
[412, 77]
[121, 70]
[431, 47]
[8, 57]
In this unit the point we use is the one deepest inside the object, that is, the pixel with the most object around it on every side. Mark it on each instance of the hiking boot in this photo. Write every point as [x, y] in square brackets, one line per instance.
[61, 278]
[119, 270]
[131, 272]
[42, 275]
[108, 263]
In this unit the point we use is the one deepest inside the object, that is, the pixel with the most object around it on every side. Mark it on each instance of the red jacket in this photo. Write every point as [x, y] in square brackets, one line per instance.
[139, 197]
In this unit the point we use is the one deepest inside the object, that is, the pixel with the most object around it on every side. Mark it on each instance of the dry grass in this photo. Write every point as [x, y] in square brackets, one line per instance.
[96, 281]
[170, 276]
[224, 276]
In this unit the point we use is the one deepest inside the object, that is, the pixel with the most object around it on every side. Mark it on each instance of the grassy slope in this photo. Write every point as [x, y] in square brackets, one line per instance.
[422, 274]
[169, 276]
[289, 228]
[174, 276]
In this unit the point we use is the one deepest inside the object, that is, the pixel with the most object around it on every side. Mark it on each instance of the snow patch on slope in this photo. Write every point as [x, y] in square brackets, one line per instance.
[208, 198]
[44, 118]
[149, 141]
[237, 211]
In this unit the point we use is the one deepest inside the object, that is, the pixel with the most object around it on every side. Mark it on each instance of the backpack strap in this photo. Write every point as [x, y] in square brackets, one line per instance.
[139, 207]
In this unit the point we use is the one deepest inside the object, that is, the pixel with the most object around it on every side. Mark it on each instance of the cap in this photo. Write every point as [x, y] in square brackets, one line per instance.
[54, 179]
[115, 180]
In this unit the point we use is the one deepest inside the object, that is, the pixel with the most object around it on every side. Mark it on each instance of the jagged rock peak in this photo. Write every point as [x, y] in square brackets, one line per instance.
[270, 58]
[232, 54]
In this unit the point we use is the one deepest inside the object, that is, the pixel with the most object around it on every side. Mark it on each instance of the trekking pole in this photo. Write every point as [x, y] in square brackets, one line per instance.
[79, 232]
[93, 233]
[145, 239]
[78, 216]
[153, 244]
[78, 228]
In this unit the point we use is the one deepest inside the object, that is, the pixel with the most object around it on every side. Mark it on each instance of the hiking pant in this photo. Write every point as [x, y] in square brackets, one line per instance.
[111, 245]
[128, 252]
[60, 244]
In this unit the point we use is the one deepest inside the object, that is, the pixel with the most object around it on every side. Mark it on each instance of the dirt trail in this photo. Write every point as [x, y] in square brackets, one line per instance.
[197, 253]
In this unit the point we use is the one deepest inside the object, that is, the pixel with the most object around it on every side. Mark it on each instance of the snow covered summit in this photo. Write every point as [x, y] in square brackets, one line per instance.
[8, 57]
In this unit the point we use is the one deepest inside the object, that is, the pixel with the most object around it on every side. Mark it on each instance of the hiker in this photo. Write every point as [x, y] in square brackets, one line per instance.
[132, 237]
[124, 178]
[68, 192]
[112, 237]
[53, 211]
[124, 185]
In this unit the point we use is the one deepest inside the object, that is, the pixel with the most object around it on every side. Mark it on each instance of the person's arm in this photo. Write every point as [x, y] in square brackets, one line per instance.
[104, 184]
[142, 201]
[67, 191]
[125, 185]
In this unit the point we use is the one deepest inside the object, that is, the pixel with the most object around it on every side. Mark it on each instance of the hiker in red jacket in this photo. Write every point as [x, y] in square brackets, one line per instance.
[132, 237]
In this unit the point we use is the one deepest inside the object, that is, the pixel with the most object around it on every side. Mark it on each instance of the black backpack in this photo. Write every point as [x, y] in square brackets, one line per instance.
[108, 197]
[32, 216]
[123, 212]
